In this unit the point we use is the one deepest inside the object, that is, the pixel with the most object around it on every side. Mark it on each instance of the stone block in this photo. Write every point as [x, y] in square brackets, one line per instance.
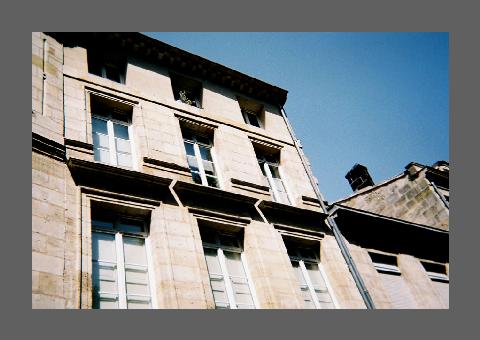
[47, 264]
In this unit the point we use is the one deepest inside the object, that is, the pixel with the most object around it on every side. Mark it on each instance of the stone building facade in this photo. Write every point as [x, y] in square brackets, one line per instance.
[397, 233]
[163, 180]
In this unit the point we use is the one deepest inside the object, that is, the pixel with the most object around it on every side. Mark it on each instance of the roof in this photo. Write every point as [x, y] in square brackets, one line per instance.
[439, 174]
[374, 231]
[179, 60]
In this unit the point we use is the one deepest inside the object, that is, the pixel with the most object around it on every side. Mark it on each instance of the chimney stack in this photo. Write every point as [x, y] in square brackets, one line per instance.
[358, 177]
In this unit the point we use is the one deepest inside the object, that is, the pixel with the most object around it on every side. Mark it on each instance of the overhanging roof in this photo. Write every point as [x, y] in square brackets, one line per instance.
[160, 53]
[374, 231]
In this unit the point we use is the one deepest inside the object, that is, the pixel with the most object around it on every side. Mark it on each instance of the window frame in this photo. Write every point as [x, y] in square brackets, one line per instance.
[263, 163]
[301, 261]
[120, 259]
[111, 140]
[229, 291]
[196, 149]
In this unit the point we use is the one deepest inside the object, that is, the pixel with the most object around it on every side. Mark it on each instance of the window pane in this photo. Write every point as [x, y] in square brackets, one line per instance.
[216, 278]
[212, 181]
[123, 145]
[211, 257]
[105, 303]
[120, 131]
[104, 271]
[131, 226]
[100, 140]
[103, 247]
[196, 177]
[104, 277]
[124, 160]
[315, 276]
[192, 163]
[134, 250]
[205, 153]
[99, 126]
[102, 224]
[189, 149]
[209, 168]
[101, 155]
[136, 272]
[274, 171]
[234, 264]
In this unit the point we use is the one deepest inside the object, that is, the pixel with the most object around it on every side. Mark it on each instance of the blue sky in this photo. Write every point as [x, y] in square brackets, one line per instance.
[379, 99]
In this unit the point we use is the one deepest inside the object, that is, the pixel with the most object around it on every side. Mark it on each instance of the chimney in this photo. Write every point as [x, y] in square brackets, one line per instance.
[358, 177]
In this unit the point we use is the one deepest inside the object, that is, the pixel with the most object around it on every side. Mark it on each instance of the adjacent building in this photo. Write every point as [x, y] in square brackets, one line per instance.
[398, 232]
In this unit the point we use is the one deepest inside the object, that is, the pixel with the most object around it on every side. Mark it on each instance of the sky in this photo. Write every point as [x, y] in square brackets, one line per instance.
[378, 99]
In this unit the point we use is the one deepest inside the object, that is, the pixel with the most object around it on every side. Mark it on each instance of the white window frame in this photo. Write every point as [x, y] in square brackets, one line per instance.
[120, 265]
[273, 187]
[111, 139]
[198, 157]
[301, 262]
[226, 276]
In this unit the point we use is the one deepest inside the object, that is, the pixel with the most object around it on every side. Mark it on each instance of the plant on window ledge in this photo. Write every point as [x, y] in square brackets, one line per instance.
[184, 98]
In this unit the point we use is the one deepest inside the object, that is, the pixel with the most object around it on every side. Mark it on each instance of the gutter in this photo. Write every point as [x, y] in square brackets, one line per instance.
[330, 221]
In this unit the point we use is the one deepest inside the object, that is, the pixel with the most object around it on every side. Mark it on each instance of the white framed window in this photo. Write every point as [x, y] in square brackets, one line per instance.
[313, 285]
[111, 141]
[121, 278]
[198, 148]
[229, 279]
[251, 118]
[269, 164]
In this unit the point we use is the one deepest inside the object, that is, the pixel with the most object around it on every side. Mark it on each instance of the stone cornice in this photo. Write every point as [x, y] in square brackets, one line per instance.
[48, 147]
[175, 59]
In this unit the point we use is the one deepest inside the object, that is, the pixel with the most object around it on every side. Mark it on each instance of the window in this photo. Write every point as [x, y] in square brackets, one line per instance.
[120, 275]
[229, 281]
[269, 164]
[393, 281]
[107, 65]
[305, 262]
[252, 112]
[199, 157]
[186, 90]
[250, 117]
[438, 275]
[111, 131]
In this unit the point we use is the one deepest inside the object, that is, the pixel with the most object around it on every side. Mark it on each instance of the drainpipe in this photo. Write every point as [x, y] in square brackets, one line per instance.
[331, 222]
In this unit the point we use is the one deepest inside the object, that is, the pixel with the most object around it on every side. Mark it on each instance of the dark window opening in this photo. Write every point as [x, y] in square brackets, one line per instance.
[253, 113]
[186, 90]
[107, 65]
